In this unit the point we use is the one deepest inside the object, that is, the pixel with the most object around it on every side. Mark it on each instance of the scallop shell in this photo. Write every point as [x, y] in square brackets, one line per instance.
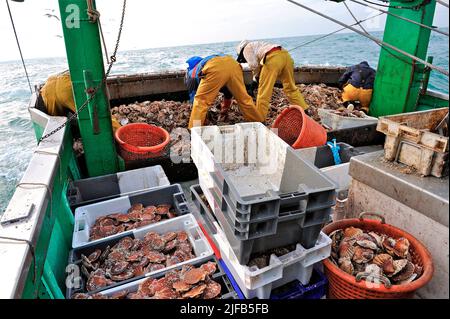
[385, 261]
[194, 276]
[388, 245]
[359, 267]
[405, 273]
[362, 255]
[378, 238]
[418, 270]
[401, 247]
[352, 232]
[398, 266]
[367, 244]
[346, 265]
[195, 292]
[346, 249]
[409, 280]
[336, 237]
[374, 270]
[365, 236]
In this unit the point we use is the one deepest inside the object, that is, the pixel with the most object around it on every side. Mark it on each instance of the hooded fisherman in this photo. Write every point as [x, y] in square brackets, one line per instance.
[270, 62]
[357, 83]
[57, 96]
[206, 77]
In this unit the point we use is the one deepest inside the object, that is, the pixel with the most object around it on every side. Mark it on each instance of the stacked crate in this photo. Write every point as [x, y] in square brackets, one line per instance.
[149, 187]
[263, 196]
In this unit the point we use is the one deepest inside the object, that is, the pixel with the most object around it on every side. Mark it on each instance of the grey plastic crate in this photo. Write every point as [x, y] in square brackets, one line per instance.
[291, 230]
[86, 216]
[308, 206]
[303, 188]
[251, 230]
[220, 276]
[97, 189]
[187, 223]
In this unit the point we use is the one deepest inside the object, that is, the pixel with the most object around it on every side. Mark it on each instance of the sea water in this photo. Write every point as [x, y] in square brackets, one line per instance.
[17, 140]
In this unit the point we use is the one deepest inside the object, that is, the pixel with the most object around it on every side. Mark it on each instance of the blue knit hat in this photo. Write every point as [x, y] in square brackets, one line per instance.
[193, 61]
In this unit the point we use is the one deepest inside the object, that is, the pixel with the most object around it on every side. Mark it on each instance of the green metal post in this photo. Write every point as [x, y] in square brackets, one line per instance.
[398, 82]
[426, 77]
[84, 55]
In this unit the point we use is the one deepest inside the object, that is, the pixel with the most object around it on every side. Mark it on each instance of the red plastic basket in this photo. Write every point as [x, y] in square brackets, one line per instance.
[298, 129]
[345, 286]
[140, 141]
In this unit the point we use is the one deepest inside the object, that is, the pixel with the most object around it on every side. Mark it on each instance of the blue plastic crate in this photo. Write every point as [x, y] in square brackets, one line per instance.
[230, 277]
[316, 289]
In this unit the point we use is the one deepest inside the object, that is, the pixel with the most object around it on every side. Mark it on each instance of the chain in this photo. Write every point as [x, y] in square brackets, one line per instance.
[93, 92]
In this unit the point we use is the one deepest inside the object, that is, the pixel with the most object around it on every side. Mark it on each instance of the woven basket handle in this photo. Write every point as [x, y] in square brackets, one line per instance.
[362, 215]
[364, 275]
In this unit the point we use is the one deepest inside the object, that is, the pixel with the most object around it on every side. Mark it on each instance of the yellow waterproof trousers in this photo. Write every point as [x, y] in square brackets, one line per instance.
[217, 73]
[278, 65]
[58, 97]
[364, 96]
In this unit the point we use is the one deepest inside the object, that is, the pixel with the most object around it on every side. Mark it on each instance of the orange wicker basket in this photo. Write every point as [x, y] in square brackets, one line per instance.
[140, 141]
[345, 286]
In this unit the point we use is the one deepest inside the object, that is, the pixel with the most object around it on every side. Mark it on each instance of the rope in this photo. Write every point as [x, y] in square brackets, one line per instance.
[94, 92]
[331, 33]
[18, 45]
[32, 251]
[402, 18]
[92, 13]
[431, 66]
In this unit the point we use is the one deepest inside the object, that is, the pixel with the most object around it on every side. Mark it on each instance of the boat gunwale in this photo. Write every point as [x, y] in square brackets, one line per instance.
[16, 257]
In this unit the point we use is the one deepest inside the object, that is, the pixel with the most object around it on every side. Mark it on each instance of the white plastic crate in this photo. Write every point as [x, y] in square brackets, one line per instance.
[252, 155]
[219, 276]
[296, 265]
[142, 179]
[86, 216]
[338, 122]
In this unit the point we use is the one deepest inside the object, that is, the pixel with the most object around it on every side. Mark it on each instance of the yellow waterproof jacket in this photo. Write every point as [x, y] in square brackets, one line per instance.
[58, 96]
[255, 52]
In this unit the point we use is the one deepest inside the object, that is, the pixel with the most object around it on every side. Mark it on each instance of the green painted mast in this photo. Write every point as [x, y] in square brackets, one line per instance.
[84, 56]
[398, 83]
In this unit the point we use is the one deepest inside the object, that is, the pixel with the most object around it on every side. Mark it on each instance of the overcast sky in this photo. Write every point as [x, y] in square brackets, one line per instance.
[151, 24]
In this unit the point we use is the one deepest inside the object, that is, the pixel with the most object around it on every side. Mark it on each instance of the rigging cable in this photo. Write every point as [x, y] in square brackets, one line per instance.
[431, 66]
[94, 92]
[18, 45]
[396, 7]
[442, 3]
[366, 32]
[402, 18]
[331, 33]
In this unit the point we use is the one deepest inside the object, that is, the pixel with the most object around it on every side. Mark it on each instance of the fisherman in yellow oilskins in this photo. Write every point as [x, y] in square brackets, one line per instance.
[57, 96]
[270, 62]
[206, 77]
[357, 83]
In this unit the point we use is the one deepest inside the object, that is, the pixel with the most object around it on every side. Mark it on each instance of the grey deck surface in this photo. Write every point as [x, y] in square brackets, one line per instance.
[428, 195]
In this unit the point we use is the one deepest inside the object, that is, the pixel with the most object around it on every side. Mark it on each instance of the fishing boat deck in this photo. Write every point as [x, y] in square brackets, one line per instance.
[428, 195]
